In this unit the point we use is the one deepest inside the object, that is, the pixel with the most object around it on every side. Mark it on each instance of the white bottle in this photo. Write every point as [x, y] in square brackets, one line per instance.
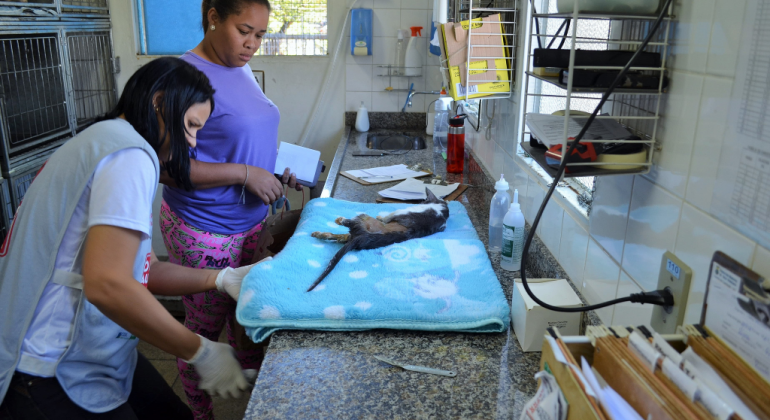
[398, 69]
[497, 209]
[362, 119]
[413, 60]
[513, 236]
[441, 121]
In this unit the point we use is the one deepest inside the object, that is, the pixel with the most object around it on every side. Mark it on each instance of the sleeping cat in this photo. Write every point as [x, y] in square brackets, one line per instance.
[366, 232]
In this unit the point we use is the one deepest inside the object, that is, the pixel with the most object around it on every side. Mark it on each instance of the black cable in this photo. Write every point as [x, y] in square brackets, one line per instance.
[658, 297]
[558, 31]
[566, 31]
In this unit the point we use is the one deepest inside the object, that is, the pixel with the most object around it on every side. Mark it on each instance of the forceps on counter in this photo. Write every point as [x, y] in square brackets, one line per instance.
[422, 369]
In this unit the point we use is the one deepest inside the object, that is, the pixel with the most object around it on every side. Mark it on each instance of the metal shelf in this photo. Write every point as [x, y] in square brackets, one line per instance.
[582, 169]
[638, 110]
[555, 81]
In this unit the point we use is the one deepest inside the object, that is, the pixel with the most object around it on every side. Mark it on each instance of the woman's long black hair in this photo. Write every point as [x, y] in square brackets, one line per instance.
[180, 86]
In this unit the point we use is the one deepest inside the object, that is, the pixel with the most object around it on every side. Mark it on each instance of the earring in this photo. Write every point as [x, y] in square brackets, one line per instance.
[212, 27]
[157, 109]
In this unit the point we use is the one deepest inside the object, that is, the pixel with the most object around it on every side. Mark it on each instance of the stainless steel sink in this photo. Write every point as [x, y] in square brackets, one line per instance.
[394, 142]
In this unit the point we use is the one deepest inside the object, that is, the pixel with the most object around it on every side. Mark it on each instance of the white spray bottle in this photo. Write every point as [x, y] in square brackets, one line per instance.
[513, 236]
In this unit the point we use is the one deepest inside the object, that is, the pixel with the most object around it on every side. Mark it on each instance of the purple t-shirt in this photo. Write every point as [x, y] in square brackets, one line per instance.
[242, 129]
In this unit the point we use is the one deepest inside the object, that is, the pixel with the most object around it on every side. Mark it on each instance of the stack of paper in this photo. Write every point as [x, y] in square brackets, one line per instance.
[301, 160]
[549, 129]
[413, 189]
[385, 174]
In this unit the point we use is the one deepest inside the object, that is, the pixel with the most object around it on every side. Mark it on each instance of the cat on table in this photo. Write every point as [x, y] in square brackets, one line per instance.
[366, 232]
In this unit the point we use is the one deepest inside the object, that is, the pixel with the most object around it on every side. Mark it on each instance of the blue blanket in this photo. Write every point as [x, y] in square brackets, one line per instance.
[443, 282]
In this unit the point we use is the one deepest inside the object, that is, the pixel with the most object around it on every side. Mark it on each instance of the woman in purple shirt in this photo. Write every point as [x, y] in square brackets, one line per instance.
[217, 224]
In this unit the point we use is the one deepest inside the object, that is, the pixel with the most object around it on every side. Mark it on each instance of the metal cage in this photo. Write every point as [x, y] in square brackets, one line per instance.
[54, 9]
[33, 102]
[54, 80]
[6, 209]
[21, 178]
[93, 85]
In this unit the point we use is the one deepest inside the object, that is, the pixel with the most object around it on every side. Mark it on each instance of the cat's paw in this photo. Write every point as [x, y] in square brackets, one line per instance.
[318, 235]
[339, 220]
[381, 219]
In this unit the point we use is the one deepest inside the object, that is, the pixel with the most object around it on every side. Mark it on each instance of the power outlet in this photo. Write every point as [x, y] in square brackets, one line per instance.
[675, 276]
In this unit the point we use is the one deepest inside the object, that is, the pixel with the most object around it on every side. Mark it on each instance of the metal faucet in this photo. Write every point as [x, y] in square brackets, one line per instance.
[411, 93]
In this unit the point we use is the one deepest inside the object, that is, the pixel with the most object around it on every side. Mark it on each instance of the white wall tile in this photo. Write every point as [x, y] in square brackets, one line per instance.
[761, 263]
[652, 226]
[385, 102]
[609, 212]
[358, 78]
[630, 314]
[533, 200]
[499, 161]
[384, 50]
[690, 39]
[411, 18]
[709, 136]
[433, 79]
[353, 100]
[386, 22]
[519, 181]
[725, 37]
[386, 4]
[573, 248]
[418, 102]
[550, 226]
[417, 4]
[699, 236]
[677, 131]
[600, 280]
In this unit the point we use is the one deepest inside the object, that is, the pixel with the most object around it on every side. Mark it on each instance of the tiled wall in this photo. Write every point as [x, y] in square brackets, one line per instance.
[362, 80]
[634, 219]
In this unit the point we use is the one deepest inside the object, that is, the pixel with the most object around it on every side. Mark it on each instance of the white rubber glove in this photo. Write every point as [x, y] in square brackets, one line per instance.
[220, 372]
[229, 280]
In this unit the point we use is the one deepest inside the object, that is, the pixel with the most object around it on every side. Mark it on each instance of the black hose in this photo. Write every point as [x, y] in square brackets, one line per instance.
[638, 297]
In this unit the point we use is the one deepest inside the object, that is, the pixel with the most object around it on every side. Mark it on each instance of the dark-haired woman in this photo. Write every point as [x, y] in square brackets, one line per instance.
[217, 224]
[77, 265]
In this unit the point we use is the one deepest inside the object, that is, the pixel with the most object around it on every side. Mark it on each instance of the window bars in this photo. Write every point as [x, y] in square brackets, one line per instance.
[297, 27]
[56, 8]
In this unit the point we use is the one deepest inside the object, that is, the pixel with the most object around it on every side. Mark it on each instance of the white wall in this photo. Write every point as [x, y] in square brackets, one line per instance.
[363, 81]
[292, 83]
[635, 219]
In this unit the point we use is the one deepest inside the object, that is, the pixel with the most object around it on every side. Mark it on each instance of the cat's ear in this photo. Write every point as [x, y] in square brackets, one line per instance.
[431, 196]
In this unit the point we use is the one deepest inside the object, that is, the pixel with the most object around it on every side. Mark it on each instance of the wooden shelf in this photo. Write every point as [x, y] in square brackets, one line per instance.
[539, 156]
[555, 81]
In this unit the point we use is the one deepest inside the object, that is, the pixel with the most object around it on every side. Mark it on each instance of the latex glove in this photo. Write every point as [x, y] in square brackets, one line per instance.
[229, 280]
[220, 372]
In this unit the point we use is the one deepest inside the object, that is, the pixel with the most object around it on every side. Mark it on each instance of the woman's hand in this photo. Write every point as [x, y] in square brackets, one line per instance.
[264, 185]
[290, 179]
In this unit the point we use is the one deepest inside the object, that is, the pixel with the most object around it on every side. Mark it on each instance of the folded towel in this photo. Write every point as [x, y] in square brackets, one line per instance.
[443, 282]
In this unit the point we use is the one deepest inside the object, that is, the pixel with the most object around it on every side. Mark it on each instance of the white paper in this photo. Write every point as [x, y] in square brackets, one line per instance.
[642, 348]
[699, 370]
[742, 189]
[301, 160]
[614, 404]
[680, 379]
[414, 189]
[549, 402]
[549, 129]
[661, 345]
[385, 174]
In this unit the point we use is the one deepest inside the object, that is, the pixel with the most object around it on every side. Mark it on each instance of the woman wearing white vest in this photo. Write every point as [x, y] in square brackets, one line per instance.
[77, 271]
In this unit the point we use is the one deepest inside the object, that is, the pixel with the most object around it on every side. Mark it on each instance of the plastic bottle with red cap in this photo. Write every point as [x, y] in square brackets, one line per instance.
[413, 60]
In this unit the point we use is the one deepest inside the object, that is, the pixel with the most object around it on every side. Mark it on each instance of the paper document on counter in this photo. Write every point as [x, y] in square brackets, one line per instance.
[301, 160]
[413, 189]
[385, 174]
[549, 129]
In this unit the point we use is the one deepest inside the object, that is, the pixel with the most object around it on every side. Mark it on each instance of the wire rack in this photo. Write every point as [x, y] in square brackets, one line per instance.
[464, 10]
[91, 7]
[32, 91]
[93, 84]
[56, 8]
[6, 209]
[21, 178]
[637, 110]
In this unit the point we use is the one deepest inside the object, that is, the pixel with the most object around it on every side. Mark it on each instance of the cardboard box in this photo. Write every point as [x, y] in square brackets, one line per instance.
[530, 320]
[487, 35]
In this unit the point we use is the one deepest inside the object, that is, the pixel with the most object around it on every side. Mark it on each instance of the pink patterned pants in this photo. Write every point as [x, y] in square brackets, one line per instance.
[206, 313]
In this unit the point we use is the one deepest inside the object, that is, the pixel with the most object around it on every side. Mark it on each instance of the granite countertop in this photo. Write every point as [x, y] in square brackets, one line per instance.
[316, 374]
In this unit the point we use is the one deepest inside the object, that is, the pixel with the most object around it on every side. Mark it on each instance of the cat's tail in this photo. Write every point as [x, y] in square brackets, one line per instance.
[350, 245]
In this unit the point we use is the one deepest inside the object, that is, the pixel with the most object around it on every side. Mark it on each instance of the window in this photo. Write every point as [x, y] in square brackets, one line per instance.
[171, 27]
